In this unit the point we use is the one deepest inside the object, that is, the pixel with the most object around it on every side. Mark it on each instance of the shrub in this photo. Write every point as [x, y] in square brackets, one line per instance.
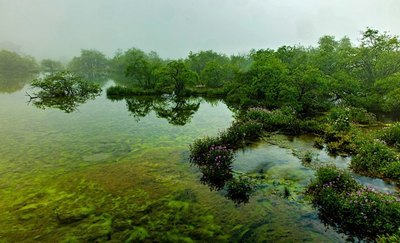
[339, 118]
[343, 116]
[283, 120]
[332, 177]
[341, 142]
[395, 238]
[200, 148]
[240, 132]
[352, 209]
[361, 116]
[392, 171]
[391, 135]
[372, 157]
[319, 142]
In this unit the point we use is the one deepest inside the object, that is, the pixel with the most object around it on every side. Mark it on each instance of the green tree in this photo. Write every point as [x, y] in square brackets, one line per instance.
[51, 66]
[177, 76]
[378, 56]
[16, 71]
[92, 65]
[308, 91]
[62, 90]
[214, 74]
[12, 64]
[143, 68]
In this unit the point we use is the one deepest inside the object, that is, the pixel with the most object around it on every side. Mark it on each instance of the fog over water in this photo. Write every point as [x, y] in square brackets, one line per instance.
[60, 28]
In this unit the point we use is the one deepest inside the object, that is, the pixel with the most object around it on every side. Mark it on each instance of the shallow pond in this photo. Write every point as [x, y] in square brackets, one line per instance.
[118, 170]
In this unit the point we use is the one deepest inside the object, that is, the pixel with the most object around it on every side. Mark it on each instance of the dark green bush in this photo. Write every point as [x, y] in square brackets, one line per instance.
[352, 209]
[333, 177]
[392, 171]
[372, 157]
[391, 135]
[343, 116]
[126, 92]
[240, 133]
[200, 148]
[361, 116]
[319, 142]
[341, 142]
[217, 166]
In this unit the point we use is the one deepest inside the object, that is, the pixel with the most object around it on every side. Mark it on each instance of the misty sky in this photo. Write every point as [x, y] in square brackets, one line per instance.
[60, 28]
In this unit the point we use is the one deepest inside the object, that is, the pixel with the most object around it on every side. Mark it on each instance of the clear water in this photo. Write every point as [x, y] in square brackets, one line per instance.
[103, 173]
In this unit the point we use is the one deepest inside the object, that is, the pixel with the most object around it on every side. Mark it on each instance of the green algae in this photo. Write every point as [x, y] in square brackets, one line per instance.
[100, 175]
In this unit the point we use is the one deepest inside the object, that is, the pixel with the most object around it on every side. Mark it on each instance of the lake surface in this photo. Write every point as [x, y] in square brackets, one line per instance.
[117, 170]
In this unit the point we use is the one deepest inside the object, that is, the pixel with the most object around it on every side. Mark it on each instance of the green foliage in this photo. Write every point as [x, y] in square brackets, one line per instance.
[15, 71]
[51, 66]
[63, 84]
[392, 170]
[200, 147]
[352, 209]
[283, 120]
[389, 238]
[332, 177]
[339, 140]
[372, 157]
[143, 68]
[92, 65]
[215, 163]
[63, 90]
[391, 135]
[11, 63]
[176, 76]
[241, 132]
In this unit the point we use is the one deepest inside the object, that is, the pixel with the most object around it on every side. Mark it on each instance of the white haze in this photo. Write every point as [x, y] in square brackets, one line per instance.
[59, 29]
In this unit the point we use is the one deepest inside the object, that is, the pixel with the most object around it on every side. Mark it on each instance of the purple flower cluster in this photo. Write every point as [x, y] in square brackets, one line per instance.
[219, 156]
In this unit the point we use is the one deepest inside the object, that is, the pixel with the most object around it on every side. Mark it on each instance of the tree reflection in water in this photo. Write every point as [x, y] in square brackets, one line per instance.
[176, 110]
[13, 82]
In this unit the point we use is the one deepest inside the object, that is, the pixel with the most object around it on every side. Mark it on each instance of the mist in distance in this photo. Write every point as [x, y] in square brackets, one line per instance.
[59, 29]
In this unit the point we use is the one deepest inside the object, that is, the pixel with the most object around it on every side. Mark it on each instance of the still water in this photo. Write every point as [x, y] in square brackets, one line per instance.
[117, 170]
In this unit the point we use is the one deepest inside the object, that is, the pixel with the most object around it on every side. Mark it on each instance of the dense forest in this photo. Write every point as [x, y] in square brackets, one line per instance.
[334, 91]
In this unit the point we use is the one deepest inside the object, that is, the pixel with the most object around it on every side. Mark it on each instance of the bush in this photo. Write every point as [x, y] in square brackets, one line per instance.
[341, 142]
[217, 167]
[372, 157]
[332, 177]
[200, 148]
[392, 171]
[389, 238]
[283, 120]
[319, 142]
[391, 135]
[352, 209]
[342, 117]
[361, 116]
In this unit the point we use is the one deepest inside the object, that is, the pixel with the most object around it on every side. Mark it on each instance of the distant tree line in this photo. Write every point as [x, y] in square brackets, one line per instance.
[308, 79]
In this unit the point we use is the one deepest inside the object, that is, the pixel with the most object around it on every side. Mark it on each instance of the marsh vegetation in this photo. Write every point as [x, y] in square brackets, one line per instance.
[206, 148]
